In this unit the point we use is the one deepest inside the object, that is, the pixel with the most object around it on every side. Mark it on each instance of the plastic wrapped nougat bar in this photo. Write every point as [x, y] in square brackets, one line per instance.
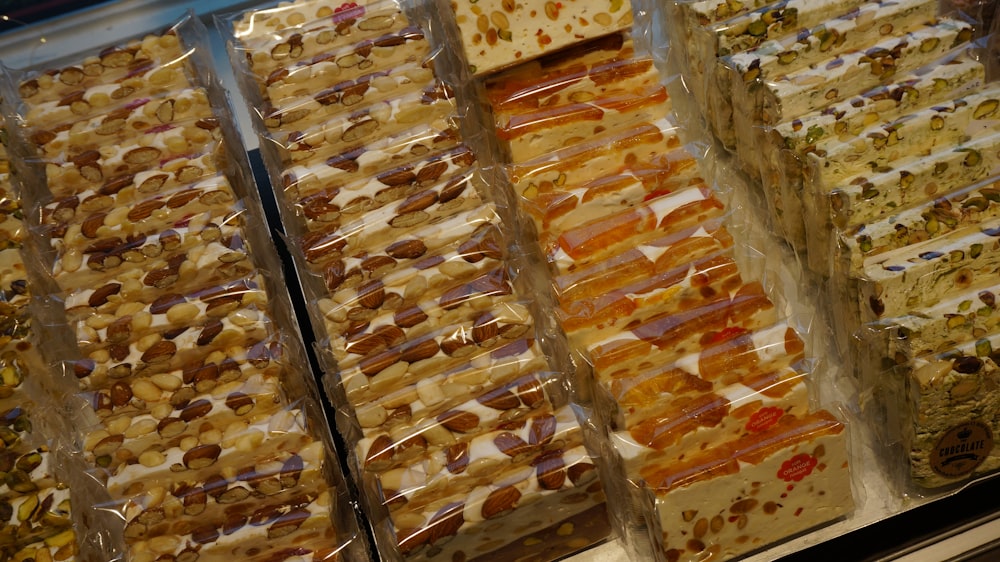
[688, 356]
[170, 318]
[435, 359]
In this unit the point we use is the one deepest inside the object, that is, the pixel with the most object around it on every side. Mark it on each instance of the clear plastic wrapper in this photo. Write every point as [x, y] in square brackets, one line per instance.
[785, 147]
[436, 361]
[182, 367]
[686, 355]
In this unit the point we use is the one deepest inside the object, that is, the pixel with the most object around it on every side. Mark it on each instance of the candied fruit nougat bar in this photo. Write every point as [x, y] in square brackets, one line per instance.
[426, 398]
[489, 457]
[655, 144]
[331, 200]
[321, 249]
[592, 67]
[113, 65]
[563, 483]
[185, 260]
[196, 457]
[953, 211]
[938, 127]
[141, 153]
[662, 255]
[949, 418]
[728, 501]
[301, 528]
[672, 335]
[809, 89]
[677, 426]
[360, 163]
[737, 356]
[922, 274]
[450, 419]
[680, 288]
[918, 179]
[548, 129]
[159, 510]
[386, 118]
[140, 117]
[500, 34]
[160, 79]
[645, 222]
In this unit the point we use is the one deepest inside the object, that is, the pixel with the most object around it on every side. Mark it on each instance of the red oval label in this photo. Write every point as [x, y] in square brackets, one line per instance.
[797, 467]
[764, 418]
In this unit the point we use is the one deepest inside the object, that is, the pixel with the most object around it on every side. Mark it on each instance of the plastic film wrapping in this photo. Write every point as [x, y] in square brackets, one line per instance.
[423, 317]
[184, 370]
[686, 354]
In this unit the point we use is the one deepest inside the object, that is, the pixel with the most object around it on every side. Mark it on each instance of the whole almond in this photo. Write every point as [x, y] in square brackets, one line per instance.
[458, 345]
[500, 502]
[240, 403]
[411, 540]
[379, 456]
[165, 302]
[121, 394]
[484, 329]
[391, 335]
[371, 294]
[454, 188]
[113, 185]
[183, 198]
[100, 295]
[399, 176]
[499, 399]
[446, 522]
[195, 410]
[201, 456]
[287, 523]
[511, 445]
[417, 202]
[407, 249]
[159, 352]
[141, 155]
[531, 394]
[374, 364]
[431, 172]
[365, 344]
[550, 471]
[581, 473]
[409, 316]
[92, 224]
[144, 209]
[458, 420]
[209, 332]
[543, 428]
[417, 351]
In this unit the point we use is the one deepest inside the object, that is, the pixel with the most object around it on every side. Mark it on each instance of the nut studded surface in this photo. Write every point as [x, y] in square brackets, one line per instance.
[417, 302]
[197, 429]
